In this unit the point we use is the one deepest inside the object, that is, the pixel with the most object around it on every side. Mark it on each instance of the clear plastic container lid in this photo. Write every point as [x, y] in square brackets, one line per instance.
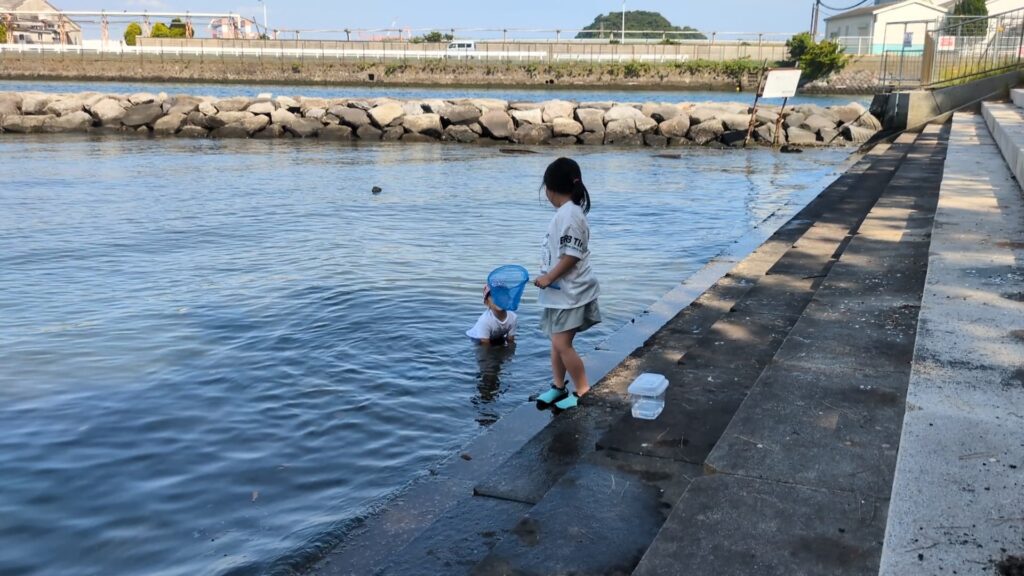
[648, 384]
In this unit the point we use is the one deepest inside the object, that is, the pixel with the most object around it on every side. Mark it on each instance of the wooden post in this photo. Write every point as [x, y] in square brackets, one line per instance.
[757, 98]
[778, 123]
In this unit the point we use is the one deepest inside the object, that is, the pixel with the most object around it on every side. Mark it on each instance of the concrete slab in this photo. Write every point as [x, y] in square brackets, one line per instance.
[529, 473]
[579, 527]
[733, 525]
[959, 484]
[458, 540]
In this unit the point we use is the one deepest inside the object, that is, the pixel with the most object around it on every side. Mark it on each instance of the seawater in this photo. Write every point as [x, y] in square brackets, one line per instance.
[212, 352]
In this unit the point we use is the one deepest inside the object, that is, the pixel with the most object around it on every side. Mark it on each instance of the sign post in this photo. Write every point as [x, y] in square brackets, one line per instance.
[780, 83]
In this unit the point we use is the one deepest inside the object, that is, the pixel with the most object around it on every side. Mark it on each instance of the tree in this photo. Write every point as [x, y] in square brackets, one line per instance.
[822, 59]
[160, 30]
[610, 26]
[798, 45]
[131, 32]
[432, 37]
[967, 12]
[178, 29]
[3, 33]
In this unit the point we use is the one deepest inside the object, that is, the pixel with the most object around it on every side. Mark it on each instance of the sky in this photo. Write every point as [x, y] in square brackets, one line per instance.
[777, 16]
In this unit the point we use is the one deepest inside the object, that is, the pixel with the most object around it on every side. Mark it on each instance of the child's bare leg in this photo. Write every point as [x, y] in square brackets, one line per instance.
[562, 344]
[557, 368]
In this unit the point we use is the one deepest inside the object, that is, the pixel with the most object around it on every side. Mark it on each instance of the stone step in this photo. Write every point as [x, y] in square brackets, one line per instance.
[1006, 124]
[579, 521]
[1017, 96]
[801, 474]
[961, 454]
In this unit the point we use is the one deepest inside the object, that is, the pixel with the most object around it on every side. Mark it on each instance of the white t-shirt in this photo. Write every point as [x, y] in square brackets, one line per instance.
[568, 234]
[488, 327]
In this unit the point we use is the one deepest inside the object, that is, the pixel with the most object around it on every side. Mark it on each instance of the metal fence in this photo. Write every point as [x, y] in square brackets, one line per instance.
[855, 45]
[963, 49]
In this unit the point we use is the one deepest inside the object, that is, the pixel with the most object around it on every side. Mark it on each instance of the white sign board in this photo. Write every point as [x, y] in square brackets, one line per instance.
[947, 43]
[781, 83]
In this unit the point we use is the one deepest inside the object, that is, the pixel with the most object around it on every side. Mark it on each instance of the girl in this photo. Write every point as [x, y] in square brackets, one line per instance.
[570, 306]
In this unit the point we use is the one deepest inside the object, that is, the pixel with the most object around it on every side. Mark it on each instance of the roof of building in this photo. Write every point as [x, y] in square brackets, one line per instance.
[11, 4]
[880, 7]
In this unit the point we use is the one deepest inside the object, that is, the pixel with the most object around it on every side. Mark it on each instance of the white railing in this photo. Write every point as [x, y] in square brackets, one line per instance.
[339, 54]
[856, 45]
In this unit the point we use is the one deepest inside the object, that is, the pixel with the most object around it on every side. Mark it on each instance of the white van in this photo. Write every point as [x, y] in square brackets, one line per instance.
[461, 49]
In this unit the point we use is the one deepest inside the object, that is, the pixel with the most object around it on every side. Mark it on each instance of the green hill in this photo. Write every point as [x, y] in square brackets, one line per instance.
[610, 25]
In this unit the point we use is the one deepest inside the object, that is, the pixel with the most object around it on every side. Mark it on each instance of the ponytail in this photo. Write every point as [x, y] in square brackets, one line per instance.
[563, 176]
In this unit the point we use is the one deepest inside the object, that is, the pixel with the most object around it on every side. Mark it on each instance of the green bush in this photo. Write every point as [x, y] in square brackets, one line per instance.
[636, 69]
[432, 37]
[3, 33]
[178, 29]
[798, 45]
[967, 11]
[822, 59]
[131, 32]
[160, 30]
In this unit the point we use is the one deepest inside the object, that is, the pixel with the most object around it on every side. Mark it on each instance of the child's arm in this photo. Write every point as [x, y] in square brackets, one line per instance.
[565, 263]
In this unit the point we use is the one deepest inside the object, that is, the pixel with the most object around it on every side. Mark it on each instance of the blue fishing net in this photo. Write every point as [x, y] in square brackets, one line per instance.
[507, 284]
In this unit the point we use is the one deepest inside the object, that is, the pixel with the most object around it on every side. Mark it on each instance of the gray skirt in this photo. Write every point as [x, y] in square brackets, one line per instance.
[554, 320]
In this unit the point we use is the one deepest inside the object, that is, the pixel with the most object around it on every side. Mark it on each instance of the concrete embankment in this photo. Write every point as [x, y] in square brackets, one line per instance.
[556, 122]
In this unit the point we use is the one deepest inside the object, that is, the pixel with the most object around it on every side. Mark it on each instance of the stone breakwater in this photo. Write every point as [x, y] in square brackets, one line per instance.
[555, 122]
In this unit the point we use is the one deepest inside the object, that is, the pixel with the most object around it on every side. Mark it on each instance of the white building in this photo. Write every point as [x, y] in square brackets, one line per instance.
[47, 26]
[895, 24]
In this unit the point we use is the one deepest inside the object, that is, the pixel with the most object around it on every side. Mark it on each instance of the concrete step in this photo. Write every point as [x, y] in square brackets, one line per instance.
[958, 490]
[1006, 124]
[801, 474]
[709, 382]
[1017, 96]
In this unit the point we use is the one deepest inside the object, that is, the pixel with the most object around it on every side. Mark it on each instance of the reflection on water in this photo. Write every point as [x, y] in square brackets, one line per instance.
[215, 352]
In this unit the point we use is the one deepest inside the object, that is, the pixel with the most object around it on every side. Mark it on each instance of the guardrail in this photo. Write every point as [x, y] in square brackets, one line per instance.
[340, 54]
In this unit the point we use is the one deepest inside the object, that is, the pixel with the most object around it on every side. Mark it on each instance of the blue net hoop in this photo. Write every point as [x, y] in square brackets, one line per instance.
[507, 284]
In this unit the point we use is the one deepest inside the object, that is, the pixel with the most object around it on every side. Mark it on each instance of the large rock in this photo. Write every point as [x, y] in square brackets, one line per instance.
[414, 137]
[655, 140]
[108, 112]
[734, 138]
[354, 118]
[869, 121]
[183, 105]
[705, 132]
[591, 138]
[677, 127]
[563, 141]
[427, 124]
[230, 131]
[369, 132]
[460, 114]
[817, 123]
[801, 137]
[489, 104]
[336, 133]
[287, 103]
[558, 109]
[535, 116]
[856, 134]
[602, 106]
[169, 124]
[141, 98]
[208, 108]
[815, 110]
[622, 131]
[265, 107]
[142, 115]
[392, 134]
[315, 113]
[385, 114]
[225, 118]
[620, 112]
[25, 124]
[735, 121]
[526, 106]
[65, 106]
[645, 125]
[532, 134]
[271, 132]
[435, 106]
[702, 114]
[255, 122]
[566, 127]
[460, 133]
[34, 103]
[10, 104]
[304, 127]
[307, 104]
[193, 132]
[793, 120]
[850, 112]
[830, 136]
[592, 119]
[766, 135]
[236, 104]
[412, 108]
[79, 121]
[661, 112]
[497, 124]
[284, 117]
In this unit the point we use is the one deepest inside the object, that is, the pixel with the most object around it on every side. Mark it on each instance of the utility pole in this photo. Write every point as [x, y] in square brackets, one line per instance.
[623, 21]
[266, 28]
[815, 14]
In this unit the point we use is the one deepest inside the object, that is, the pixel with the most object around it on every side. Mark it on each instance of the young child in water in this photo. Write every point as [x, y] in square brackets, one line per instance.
[495, 326]
[565, 263]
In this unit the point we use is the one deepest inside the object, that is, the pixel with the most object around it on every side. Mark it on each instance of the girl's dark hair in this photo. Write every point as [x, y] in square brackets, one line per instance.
[564, 177]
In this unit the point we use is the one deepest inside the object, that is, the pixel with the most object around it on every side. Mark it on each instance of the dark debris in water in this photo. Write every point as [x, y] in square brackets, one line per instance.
[516, 151]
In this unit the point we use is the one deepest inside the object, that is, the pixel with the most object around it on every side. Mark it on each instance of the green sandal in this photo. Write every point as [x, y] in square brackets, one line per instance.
[553, 395]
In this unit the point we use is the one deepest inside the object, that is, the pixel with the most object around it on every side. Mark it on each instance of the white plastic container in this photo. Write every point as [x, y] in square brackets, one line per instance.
[647, 393]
